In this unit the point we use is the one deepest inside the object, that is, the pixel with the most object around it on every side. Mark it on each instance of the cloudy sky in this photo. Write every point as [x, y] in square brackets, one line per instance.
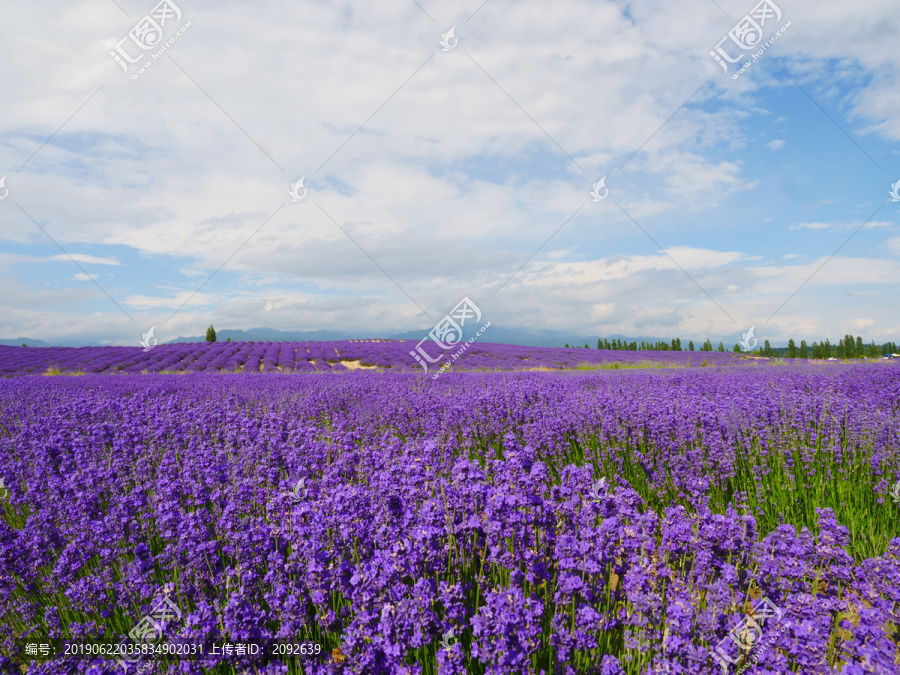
[436, 170]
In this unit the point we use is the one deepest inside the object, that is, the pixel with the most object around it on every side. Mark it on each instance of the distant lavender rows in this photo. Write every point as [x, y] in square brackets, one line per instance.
[312, 357]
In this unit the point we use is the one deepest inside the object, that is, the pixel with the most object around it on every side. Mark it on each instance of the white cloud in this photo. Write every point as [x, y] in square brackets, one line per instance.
[893, 245]
[449, 186]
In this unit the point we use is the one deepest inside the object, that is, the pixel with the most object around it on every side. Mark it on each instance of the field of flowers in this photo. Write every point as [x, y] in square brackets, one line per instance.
[322, 357]
[627, 521]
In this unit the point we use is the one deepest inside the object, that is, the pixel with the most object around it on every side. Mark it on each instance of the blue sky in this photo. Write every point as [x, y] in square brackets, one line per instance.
[432, 175]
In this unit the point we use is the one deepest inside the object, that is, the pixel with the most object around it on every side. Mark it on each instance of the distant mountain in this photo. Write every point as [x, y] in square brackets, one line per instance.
[29, 342]
[527, 337]
[273, 335]
[519, 336]
[509, 336]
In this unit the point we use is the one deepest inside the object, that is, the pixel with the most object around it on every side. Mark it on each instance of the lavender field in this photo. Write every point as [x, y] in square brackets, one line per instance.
[703, 197]
[580, 522]
[312, 357]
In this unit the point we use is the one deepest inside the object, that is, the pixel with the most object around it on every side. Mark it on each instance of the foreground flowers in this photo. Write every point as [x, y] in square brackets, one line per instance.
[623, 522]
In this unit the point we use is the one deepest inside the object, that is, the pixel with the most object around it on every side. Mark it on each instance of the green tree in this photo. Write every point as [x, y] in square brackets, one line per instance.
[804, 351]
[599, 343]
[860, 349]
[228, 340]
[737, 348]
[767, 349]
[210, 334]
[849, 350]
[586, 345]
[690, 345]
[792, 349]
[721, 347]
[567, 344]
[707, 346]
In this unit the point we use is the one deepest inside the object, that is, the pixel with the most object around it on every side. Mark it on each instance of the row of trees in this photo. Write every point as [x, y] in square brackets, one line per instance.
[849, 347]
[659, 346]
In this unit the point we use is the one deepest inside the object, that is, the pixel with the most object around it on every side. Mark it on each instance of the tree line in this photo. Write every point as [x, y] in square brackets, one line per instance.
[848, 347]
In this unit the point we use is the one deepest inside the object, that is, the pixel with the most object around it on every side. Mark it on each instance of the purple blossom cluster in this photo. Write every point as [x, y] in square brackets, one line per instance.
[312, 357]
[582, 522]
